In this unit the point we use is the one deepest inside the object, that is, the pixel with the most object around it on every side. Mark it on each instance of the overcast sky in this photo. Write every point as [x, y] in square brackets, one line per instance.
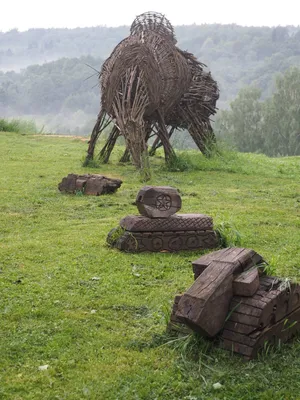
[25, 14]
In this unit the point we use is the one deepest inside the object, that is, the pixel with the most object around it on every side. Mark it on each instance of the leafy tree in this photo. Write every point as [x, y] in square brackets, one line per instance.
[242, 123]
[272, 126]
[282, 116]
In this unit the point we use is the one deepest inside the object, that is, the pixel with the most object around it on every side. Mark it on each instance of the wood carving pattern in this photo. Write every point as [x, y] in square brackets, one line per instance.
[157, 229]
[163, 241]
[163, 202]
[178, 222]
[158, 201]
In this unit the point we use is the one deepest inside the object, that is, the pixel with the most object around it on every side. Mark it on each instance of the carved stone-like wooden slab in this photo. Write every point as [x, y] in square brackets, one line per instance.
[90, 184]
[158, 201]
[178, 222]
[163, 241]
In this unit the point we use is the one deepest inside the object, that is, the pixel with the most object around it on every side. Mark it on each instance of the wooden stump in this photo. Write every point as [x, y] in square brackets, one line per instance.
[90, 184]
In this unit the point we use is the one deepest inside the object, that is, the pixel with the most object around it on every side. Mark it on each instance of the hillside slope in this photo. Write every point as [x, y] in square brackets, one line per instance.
[93, 318]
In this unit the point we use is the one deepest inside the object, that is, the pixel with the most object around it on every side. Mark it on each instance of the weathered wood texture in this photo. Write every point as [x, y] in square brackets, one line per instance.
[246, 283]
[158, 229]
[272, 315]
[177, 222]
[158, 201]
[175, 324]
[136, 242]
[247, 258]
[89, 184]
[230, 298]
[205, 304]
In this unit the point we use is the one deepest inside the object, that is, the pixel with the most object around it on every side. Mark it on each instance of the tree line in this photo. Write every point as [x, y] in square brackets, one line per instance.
[63, 92]
[270, 126]
[236, 55]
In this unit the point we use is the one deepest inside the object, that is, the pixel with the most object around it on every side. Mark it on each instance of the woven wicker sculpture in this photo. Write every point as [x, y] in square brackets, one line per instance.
[150, 87]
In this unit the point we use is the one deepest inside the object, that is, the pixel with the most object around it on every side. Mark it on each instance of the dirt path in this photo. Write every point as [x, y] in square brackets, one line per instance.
[82, 138]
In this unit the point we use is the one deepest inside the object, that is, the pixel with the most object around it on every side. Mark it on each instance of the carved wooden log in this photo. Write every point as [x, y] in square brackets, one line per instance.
[68, 184]
[205, 305]
[247, 258]
[136, 242]
[89, 184]
[175, 324]
[178, 222]
[158, 201]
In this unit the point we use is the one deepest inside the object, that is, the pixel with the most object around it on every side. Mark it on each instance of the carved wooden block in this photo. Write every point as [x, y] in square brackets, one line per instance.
[175, 325]
[90, 184]
[204, 306]
[158, 201]
[246, 283]
[163, 241]
[68, 184]
[178, 222]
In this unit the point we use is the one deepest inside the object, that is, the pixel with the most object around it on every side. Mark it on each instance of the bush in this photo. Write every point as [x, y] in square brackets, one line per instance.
[18, 126]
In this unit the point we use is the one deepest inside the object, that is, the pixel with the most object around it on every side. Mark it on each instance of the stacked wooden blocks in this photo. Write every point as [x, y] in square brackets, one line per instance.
[158, 228]
[232, 298]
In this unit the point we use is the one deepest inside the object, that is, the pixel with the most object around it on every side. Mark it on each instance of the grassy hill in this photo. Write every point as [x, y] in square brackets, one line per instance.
[97, 317]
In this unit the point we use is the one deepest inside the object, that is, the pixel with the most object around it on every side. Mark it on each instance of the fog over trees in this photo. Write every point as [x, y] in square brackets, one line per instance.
[48, 75]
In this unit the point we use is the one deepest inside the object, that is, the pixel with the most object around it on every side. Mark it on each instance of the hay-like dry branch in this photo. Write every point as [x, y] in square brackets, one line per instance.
[151, 87]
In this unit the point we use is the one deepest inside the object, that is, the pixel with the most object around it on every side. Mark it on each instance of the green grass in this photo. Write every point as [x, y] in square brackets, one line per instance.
[96, 316]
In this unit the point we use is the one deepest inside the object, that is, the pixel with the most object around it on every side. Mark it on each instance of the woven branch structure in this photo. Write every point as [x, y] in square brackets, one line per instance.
[149, 87]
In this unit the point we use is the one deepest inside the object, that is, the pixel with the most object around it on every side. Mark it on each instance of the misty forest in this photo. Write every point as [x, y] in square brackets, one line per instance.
[50, 76]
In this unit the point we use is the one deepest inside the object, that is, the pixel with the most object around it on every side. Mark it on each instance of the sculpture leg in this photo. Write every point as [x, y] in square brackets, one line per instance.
[199, 129]
[98, 128]
[204, 138]
[157, 143]
[109, 145]
[125, 157]
[163, 135]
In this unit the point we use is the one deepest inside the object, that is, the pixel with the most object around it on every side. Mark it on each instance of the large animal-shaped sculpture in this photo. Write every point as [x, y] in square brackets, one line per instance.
[149, 87]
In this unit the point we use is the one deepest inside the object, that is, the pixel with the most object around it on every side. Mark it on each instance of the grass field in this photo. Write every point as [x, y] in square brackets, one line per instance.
[93, 318]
